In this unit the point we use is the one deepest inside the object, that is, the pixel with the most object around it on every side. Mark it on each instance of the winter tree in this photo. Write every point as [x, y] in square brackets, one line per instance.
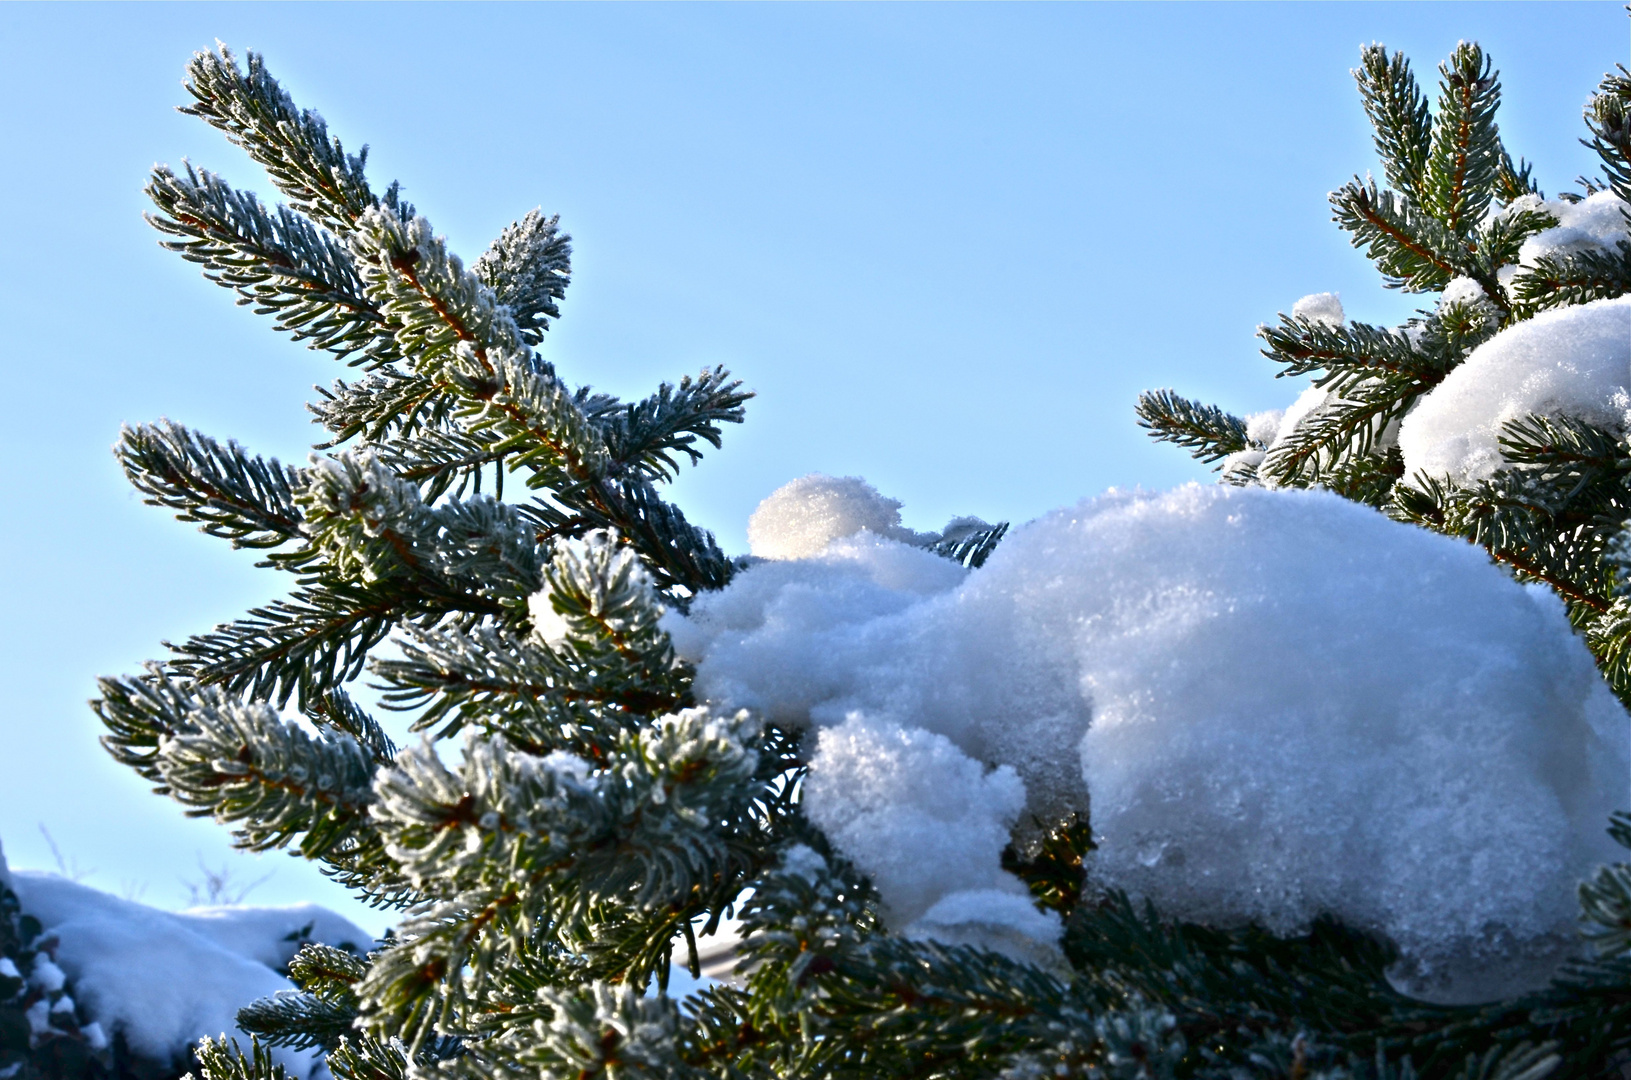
[1281, 777]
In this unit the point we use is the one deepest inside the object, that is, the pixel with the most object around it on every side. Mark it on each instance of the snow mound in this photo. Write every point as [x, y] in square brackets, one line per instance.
[1282, 702]
[168, 978]
[1572, 361]
[1325, 307]
[801, 518]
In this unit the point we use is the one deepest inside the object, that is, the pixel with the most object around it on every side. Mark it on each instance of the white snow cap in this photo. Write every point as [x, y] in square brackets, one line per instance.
[1464, 290]
[1570, 361]
[1323, 307]
[166, 979]
[1282, 702]
[799, 519]
[1264, 427]
[549, 625]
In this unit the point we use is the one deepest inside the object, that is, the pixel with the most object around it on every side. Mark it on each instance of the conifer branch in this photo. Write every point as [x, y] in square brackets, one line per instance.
[1206, 431]
[1465, 156]
[648, 436]
[312, 170]
[1608, 121]
[280, 264]
[528, 268]
[1353, 351]
[249, 501]
[1412, 249]
[1398, 113]
[1575, 277]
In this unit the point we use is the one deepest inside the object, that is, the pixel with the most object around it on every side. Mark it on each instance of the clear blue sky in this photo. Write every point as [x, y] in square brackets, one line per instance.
[947, 245]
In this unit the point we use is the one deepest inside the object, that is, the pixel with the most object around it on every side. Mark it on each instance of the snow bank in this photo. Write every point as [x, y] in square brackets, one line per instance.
[1282, 702]
[167, 978]
[1571, 361]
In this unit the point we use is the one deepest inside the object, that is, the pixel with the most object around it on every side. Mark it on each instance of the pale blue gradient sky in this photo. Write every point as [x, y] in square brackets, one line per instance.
[947, 244]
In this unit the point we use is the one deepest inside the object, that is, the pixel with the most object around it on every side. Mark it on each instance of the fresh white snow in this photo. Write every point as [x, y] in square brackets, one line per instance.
[1325, 307]
[167, 978]
[803, 517]
[1282, 702]
[1597, 221]
[1572, 361]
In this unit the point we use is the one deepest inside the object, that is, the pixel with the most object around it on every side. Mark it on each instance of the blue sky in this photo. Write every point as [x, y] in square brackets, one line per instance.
[947, 245]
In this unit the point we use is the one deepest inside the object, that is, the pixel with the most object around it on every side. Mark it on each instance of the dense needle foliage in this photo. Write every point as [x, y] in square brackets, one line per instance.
[598, 822]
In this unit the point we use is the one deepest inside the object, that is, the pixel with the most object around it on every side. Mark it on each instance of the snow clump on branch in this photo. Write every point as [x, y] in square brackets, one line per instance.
[1571, 361]
[801, 518]
[1283, 703]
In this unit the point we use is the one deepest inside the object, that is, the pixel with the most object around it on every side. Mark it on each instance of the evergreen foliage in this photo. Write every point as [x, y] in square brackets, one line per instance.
[598, 821]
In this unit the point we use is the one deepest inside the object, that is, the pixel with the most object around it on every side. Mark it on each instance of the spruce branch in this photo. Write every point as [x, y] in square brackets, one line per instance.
[307, 644]
[1398, 113]
[247, 500]
[1465, 156]
[971, 546]
[1345, 427]
[516, 846]
[649, 436]
[528, 268]
[1608, 121]
[601, 664]
[336, 710]
[1206, 431]
[1576, 277]
[1349, 353]
[1514, 180]
[1605, 899]
[598, 1030]
[293, 145]
[322, 1014]
[1411, 248]
[387, 402]
[224, 1059]
[139, 712]
[242, 764]
[297, 1021]
[278, 263]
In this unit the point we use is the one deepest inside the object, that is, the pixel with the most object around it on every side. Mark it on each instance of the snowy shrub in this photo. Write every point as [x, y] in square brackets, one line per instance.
[94, 969]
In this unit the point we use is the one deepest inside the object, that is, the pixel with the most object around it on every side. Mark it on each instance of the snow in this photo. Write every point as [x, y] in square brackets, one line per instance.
[1325, 307]
[1264, 427]
[1597, 221]
[1573, 361]
[46, 976]
[1282, 702]
[1464, 290]
[548, 624]
[167, 978]
[801, 518]
[926, 822]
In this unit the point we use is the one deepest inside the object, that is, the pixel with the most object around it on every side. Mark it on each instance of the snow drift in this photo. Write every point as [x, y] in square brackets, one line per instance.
[1282, 703]
[165, 978]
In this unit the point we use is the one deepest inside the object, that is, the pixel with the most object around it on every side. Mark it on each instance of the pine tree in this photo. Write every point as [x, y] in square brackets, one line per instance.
[600, 822]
